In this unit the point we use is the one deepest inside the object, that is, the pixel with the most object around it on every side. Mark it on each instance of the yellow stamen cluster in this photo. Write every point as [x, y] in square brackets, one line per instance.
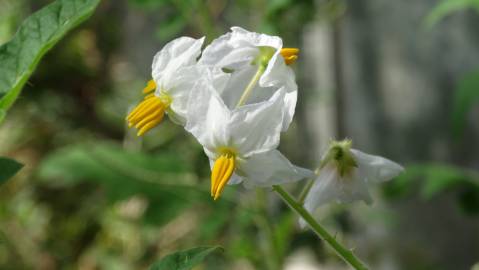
[149, 113]
[150, 87]
[290, 55]
[222, 171]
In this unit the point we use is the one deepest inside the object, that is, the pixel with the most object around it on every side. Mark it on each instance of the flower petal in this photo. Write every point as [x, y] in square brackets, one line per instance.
[325, 189]
[208, 116]
[179, 52]
[330, 186]
[256, 128]
[185, 83]
[271, 168]
[277, 73]
[237, 48]
[375, 168]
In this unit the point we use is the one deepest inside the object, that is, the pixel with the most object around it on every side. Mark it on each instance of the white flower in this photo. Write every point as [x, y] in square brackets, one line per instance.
[240, 143]
[247, 54]
[346, 174]
[174, 71]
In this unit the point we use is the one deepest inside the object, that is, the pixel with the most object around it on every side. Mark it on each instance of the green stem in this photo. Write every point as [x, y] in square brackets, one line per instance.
[251, 85]
[346, 254]
[307, 187]
[305, 191]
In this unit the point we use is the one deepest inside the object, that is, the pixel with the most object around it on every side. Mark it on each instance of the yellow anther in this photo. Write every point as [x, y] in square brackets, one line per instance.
[147, 114]
[222, 171]
[290, 55]
[150, 87]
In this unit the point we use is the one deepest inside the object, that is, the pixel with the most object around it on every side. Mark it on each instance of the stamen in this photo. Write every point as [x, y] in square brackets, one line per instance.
[150, 87]
[290, 55]
[147, 114]
[222, 171]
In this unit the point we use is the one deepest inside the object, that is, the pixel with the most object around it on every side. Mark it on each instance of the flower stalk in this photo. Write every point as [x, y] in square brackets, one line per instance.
[249, 88]
[346, 254]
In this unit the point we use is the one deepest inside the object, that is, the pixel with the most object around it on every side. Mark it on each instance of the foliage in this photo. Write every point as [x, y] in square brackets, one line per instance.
[184, 260]
[8, 168]
[37, 35]
[465, 97]
[162, 178]
[446, 7]
[431, 180]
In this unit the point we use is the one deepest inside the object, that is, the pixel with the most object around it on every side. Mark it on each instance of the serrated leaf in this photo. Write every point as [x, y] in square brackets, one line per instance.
[37, 35]
[184, 260]
[8, 168]
[465, 97]
[446, 7]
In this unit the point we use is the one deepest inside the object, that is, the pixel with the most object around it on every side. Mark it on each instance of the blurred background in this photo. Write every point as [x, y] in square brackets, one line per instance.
[399, 78]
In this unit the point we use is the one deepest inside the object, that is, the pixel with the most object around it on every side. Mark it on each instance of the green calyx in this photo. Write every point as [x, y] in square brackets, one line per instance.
[265, 54]
[340, 154]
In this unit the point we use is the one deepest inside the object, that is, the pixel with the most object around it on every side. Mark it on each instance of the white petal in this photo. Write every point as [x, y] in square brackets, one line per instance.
[277, 73]
[179, 52]
[289, 108]
[238, 82]
[271, 168]
[375, 168]
[208, 117]
[237, 48]
[325, 189]
[236, 85]
[330, 186]
[185, 82]
[256, 128]
[354, 188]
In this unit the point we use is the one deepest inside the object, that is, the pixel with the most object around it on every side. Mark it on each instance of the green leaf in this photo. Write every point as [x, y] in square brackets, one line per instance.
[37, 34]
[184, 260]
[439, 178]
[164, 179]
[8, 168]
[465, 96]
[434, 179]
[446, 7]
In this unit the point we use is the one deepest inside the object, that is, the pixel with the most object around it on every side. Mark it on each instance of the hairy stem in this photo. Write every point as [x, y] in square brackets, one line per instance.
[346, 254]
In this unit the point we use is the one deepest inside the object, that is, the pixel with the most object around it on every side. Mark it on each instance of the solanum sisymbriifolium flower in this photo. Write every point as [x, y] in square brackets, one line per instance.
[241, 143]
[174, 71]
[258, 63]
[346, 174]
[235, 99]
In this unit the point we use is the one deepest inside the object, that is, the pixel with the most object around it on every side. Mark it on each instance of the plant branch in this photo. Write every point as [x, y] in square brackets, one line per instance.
[346, 254]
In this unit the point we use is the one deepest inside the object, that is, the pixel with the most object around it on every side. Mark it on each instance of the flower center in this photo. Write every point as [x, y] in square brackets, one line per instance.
[149, 113]
[290, 55]
[340, 155]
[222, 171]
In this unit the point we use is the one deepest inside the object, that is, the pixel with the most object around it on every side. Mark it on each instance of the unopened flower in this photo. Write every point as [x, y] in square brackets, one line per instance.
[257, 62]
[346, 173]
[174, 73]
[240, 143]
